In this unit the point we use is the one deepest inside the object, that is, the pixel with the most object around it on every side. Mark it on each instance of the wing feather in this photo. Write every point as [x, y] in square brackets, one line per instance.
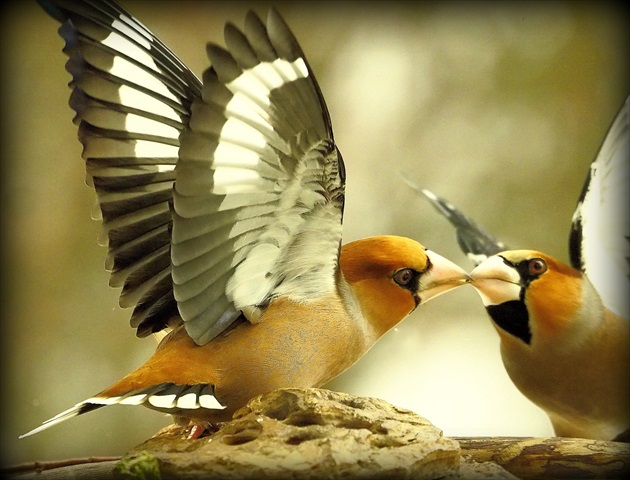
[259, 183]
[473, 239]
[132, 99]
[214, 198]
[599, 241]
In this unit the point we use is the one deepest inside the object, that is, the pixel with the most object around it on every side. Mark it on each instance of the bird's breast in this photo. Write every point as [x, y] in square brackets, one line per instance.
[294, 345]
[301, 344]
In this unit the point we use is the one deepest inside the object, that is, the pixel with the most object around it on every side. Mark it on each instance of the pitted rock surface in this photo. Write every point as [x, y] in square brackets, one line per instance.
[311, 434]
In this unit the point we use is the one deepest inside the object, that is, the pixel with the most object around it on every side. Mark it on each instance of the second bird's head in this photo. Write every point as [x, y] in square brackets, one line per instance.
[532, 297]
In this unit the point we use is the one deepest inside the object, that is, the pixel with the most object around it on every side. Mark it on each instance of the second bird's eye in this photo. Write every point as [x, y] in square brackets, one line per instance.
[403, 276]
[537, 266]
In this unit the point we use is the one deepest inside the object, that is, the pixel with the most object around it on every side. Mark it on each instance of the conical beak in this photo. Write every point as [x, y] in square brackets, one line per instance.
[496, 282]
[443, 276]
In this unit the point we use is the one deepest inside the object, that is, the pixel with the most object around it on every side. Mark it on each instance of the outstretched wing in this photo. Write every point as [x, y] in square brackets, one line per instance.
[599, 242]
[474, 241]
[132, 98]
[260, 183]
[214, 198]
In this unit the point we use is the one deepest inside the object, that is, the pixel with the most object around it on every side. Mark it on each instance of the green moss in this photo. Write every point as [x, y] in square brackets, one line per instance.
[141, 467]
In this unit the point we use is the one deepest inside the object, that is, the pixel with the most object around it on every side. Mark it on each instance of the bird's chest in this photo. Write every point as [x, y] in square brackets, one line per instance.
[539, 378]
[567, 382]
[293, 346]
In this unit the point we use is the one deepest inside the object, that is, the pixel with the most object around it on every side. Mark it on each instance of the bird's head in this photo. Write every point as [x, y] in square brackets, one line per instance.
[390, 276]
[533, 297]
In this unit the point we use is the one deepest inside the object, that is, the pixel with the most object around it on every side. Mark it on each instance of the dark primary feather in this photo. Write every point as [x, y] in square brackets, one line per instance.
[474, 241]
[132, 98]
[259, 181]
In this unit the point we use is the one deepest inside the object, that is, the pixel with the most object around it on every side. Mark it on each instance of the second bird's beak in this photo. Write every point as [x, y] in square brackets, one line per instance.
[443, 276]
[495, 282]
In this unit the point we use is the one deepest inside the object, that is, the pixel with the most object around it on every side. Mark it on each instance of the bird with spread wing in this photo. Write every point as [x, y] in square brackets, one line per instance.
[222, 202]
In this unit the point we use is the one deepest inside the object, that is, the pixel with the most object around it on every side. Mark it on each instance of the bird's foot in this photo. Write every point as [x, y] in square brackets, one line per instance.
[200, 429]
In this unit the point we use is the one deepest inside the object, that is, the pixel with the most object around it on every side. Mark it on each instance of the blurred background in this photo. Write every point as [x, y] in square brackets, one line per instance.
[499, 107]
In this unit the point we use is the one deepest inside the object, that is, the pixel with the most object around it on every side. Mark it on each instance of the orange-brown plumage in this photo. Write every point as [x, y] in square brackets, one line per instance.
[554, 297]
[575, 362]
[299, 345]
[565, 330]
[295, 343]
[222, 203]
[368, 265]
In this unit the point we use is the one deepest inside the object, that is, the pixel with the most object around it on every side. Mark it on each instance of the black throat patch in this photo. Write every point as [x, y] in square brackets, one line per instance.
[512, 317]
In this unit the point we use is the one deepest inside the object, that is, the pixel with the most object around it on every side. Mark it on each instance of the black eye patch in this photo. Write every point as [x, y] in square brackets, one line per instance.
[529, 269]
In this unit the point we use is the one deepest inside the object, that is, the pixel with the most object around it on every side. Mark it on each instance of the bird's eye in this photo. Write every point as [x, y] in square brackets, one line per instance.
[403, 277]
[537, 266]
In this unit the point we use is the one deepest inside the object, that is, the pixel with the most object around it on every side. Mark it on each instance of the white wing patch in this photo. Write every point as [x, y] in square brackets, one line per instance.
[137, 35]
[124, 68]
[166, 397]
[133, 400]
[237, 133]
[140, 100]
[121, 44]
[189, 401]
[132, 98]
[163, 401]
[246, 132]
[138, 124]
[250, 177]
[257, 82]
[604, 216]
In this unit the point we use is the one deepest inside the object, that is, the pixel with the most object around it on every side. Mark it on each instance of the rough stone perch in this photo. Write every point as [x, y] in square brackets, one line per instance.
[313, 434]
[310, 434]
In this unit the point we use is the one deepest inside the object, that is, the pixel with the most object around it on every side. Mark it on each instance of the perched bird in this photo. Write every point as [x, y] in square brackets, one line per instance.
[222, 207]
[565, 330]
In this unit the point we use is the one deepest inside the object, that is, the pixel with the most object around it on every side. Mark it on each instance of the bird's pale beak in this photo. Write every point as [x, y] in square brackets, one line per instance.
[495, 281]
[443, 276]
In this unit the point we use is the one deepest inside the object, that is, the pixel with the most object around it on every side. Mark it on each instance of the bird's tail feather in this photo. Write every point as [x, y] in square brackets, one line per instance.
[78, 409]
